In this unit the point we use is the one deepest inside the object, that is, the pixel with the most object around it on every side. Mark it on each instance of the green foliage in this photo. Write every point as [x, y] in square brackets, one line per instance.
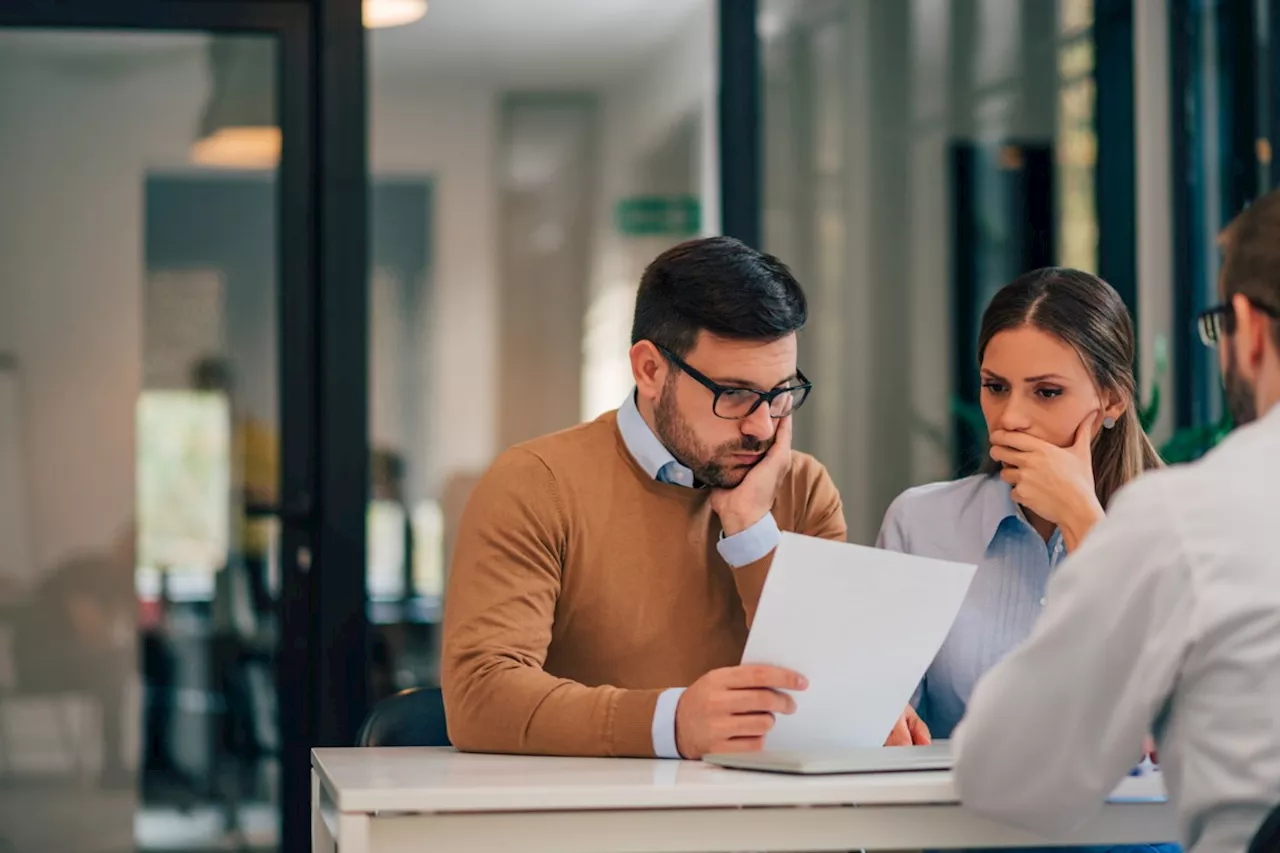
[970, 416]
[1148, 413]
[1190, 443]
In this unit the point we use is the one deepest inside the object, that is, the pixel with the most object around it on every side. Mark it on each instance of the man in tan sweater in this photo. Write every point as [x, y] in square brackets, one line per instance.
[604, 577]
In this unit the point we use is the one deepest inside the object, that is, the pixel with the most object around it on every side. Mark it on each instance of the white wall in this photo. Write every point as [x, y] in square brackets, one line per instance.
[75, 145]
[1155, 208]
[641, 112]
[876, 261]
[450, 134]
[75, 142]
[929, 259]
[449, 131]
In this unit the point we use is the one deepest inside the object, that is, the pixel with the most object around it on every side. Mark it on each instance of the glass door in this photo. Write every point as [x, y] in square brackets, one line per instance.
[158, 432]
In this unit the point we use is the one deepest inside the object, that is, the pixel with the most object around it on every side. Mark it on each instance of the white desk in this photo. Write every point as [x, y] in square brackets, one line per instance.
[392, 800]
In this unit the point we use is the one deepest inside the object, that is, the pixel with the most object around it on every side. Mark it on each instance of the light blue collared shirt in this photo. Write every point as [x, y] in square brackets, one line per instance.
[740, 549]
[973, 520]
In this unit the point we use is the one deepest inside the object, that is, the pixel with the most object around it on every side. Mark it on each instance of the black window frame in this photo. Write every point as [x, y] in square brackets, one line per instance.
[322, 661]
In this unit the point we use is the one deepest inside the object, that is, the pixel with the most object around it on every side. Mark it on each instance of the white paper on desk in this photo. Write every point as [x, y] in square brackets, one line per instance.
[862, 625]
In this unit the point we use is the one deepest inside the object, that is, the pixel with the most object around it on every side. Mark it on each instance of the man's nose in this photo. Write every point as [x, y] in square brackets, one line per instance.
[758, 424]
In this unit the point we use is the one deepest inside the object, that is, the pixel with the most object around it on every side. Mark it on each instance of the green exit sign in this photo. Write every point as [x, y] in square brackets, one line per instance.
[659, 216]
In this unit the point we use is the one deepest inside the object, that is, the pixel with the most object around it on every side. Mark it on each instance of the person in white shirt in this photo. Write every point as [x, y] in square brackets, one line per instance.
[1167, 619]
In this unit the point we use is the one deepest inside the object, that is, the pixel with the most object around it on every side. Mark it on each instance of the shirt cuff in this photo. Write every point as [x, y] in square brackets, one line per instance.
[754, 543]
[664, 723]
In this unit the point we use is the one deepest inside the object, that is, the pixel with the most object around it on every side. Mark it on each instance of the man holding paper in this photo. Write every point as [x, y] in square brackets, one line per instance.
[605, 577]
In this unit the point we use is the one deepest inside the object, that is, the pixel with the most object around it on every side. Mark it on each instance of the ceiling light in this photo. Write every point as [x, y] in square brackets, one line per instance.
[392, 13]
[238, 127]
[239, 148]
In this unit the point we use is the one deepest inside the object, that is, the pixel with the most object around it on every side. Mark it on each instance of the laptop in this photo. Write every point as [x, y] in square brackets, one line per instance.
[885, 759]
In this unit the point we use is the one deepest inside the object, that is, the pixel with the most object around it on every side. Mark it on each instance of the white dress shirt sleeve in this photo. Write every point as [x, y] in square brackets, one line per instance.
[664, 723]
[754, 543]
[1052, 729]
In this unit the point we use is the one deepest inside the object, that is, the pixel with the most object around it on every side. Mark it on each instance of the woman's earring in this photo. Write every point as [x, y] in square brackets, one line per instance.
[1109, 423]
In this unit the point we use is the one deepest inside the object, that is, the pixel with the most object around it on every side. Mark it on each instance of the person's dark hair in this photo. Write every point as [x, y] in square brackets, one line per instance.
[211, 373]
[1087, 313]
[1251, 256]
[718, 285]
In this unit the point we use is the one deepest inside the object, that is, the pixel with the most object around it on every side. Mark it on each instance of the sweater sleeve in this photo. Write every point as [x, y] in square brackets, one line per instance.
[503, 588]
[814, 510]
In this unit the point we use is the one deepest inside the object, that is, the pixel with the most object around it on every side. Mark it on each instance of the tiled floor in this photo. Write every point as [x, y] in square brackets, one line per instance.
[71, 819]
[201, 829]
[39, 818]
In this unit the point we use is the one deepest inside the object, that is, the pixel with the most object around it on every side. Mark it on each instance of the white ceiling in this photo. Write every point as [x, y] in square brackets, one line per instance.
[527, 42]
[517, 43]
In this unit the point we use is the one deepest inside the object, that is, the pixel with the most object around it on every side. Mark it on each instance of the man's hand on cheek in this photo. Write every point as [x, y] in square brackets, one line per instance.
[752, 499]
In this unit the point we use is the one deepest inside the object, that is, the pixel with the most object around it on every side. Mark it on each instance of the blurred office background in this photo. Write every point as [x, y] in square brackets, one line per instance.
[177, 623]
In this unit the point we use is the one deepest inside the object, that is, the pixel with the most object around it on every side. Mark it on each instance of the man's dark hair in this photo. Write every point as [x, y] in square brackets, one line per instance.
[1251, 256]
[719, 285]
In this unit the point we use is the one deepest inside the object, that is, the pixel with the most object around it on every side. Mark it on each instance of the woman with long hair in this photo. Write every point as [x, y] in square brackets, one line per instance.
[1055, 352]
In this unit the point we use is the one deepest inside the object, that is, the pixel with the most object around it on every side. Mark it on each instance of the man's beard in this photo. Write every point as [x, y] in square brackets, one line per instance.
[677, 436]
[1241, 397]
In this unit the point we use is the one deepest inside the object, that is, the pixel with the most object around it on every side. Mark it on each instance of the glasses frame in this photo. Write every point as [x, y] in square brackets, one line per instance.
[718, 390]
[1213, 322]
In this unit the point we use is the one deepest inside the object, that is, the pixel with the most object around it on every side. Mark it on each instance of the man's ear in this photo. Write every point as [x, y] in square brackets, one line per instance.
[649, 369]
[1250, 337]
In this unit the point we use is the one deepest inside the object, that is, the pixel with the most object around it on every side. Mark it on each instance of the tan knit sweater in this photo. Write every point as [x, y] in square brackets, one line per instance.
[581, 588]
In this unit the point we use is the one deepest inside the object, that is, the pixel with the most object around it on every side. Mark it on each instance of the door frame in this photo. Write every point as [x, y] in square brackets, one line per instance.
[739, 109]
[1206, 186]
[322, 184]
[1115, 173]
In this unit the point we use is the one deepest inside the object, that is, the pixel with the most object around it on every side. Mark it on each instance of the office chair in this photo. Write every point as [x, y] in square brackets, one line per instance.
[413, 717]
[1267, 838]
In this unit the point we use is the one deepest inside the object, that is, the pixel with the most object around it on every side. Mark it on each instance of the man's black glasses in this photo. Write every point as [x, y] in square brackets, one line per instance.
[1220, 321]
[734, 404]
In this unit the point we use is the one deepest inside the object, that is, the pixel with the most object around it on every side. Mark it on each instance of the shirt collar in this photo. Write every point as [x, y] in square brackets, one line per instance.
[1271, 416]
[997, 506]
[650, 453]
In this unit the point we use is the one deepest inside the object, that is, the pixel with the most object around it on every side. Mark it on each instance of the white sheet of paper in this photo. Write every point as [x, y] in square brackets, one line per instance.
[862, 625]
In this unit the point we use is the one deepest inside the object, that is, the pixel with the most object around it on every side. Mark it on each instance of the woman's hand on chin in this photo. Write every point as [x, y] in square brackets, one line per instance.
[1056, 483]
